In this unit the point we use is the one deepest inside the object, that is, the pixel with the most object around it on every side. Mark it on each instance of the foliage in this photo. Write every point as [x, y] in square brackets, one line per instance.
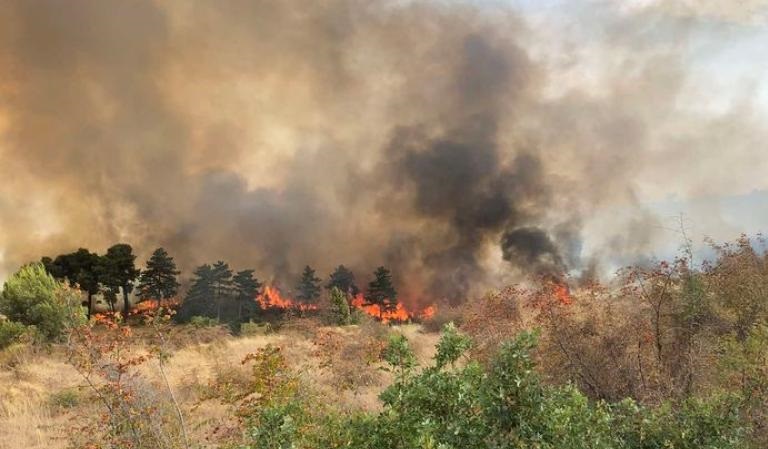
[246, 288]
[203, 321]
[343, 279]
[80, 268]
[117, 272]
[308, 288]
[10, 332]
[338, 311]
[135, 413]
[501, 406]
[158, 280]
[32, 297]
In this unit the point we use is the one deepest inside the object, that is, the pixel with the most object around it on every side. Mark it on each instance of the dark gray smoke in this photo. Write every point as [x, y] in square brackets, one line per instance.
[273, 135]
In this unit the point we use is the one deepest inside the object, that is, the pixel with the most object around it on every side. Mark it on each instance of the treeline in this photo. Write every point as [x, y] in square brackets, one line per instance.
[115, 273]
[216, 291]
[219, 293]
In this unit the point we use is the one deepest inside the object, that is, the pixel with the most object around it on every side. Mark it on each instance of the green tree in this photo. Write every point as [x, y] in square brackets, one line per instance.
[381, 292]
[158, 280]
[117, 272]
[32, 297]
[221, 281]
[246, 289]
[339, 311]
[309, 286]
[80, 268]
[197, 301]
[343, 279]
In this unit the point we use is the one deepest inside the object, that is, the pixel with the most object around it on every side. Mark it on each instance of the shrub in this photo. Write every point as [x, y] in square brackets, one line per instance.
[203, 321]
[443, 316]
[10, 332]
[64, 399]
[250, 328]
[338, 310]
[502, 405]
[33, 297]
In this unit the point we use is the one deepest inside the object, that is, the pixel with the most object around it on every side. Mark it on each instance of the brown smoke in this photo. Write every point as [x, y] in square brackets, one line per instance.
[419, 135]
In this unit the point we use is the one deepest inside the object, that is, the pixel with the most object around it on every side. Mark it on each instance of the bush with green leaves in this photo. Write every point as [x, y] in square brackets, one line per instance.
[339, 313]
[451, 405]
[10, 332]
[32, 297]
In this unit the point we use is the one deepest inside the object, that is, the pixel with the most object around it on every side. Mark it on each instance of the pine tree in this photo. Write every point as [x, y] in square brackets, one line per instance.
[381, 292]
[343, 279]
[158, 280]
[339, 308]
[197, 302]
[221, 277]
[246, 289]
[80, 269]
[309, 286]
[117, 270]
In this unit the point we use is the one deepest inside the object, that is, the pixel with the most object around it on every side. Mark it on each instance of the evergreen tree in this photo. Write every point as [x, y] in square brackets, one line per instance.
[80, 269]
[343, 279]
[308, 288]
[246, 289]
[340, 313]
[158, 280]
[221, 280]
[381, 292]
[117, 270]
[198, 299]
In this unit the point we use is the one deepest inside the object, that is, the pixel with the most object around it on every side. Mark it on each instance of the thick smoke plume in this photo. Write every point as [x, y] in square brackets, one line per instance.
[437, 138]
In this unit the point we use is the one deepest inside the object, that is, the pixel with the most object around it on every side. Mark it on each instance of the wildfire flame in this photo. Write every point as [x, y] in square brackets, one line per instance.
[399, 313]
[271, 298]
[151, 305]
[562, 293]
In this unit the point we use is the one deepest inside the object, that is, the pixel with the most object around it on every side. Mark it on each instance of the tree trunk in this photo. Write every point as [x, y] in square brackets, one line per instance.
[125, 304]
[90, 305]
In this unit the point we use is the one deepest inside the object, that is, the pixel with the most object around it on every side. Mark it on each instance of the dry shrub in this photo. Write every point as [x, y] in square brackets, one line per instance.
[491, 320]
[304, 327]
[350, 359]
[445, 314]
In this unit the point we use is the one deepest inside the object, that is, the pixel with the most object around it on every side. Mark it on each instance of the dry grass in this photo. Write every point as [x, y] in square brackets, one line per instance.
[31, 383]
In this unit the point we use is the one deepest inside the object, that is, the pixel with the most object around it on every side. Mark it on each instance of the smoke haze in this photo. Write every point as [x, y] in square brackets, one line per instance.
[458, 143]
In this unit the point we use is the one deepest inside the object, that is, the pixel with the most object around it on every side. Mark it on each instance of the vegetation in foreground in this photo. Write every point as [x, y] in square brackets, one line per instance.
[671, 357]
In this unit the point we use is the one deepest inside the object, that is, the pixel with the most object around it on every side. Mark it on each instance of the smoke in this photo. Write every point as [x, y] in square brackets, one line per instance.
[446, 140]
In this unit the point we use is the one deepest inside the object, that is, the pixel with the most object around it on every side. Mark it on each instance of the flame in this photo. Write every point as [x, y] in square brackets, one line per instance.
[150, 305]
[272, 299]
[398, 314]
[562, 293]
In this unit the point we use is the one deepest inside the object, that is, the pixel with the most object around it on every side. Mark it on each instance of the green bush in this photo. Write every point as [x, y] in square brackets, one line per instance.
[203, 321]
[33, 297]
[503, 405]
[339, 313]
[250, 328]
[10, 332]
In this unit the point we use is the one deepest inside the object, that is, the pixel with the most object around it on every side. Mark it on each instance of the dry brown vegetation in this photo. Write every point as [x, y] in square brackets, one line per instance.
[46, 403]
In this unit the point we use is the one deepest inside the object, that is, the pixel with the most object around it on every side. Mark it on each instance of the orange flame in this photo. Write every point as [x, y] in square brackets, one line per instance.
[563, 294]
[272, 299]
[398, 314]
[150, 305]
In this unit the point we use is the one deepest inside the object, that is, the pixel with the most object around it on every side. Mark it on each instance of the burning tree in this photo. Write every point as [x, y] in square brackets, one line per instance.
[309, 286]
[158, 280]
[381, 292]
